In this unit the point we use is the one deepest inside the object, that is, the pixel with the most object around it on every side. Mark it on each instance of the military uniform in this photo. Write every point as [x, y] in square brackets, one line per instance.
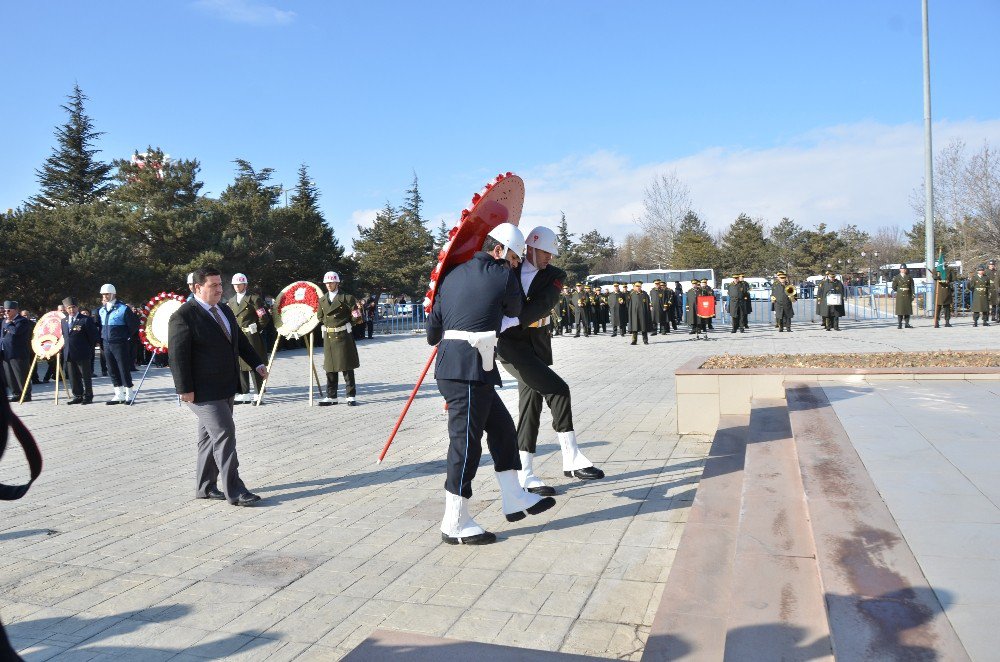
[784, 308]
[617, 310]
[655, 306]
[980, 286]
[691, 309]
[639, 314]
[252, 317]
[994, 275]
[340, 353]
[666, 311]
[831, 314]
[943, 296]
[739, 303]
[905, 290]
[15, 352]
[565, 312]
[581, 317]
[678, 305]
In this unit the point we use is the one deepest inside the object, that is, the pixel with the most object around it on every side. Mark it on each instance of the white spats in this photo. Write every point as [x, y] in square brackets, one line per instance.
[326, 402]
[526, 476]
[457, 522]
[573, 457]
[517, 502]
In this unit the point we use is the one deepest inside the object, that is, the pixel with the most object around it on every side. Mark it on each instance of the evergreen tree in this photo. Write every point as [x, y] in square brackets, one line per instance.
[744, 248]
[441, 237]
[393, 254]
[783, 241]
[817, 249]
[694, 247]
[73, 175]
[251, 234]
[414, 202]
[593, 249]
[563, 237]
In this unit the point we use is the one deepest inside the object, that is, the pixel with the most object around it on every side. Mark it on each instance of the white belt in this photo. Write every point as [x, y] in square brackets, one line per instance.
[337, 329]
[483, 341]
[540, 323]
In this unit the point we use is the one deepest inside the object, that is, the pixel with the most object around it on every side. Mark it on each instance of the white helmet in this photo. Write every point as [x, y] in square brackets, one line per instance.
[108, 288]
[510, 237]
[239, 279]
[542, 238]
[331, 277]
[191, 278]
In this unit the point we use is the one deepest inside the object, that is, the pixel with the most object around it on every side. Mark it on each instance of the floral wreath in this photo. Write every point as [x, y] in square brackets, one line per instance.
[148, 310]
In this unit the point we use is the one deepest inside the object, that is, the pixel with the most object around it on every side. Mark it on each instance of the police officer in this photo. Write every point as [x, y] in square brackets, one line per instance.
[831, 312]
[340, 354]
[903, 286]
[784, 308]
[638, 313]
[980, 286]
[252, 316]
[117, 323]
[470, 304]
[739, 302]
[943, 296]
[79, 335]
[525, 351]
[15, 350]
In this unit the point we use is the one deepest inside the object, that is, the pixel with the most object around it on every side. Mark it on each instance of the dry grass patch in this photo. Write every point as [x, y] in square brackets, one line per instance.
[943, 359]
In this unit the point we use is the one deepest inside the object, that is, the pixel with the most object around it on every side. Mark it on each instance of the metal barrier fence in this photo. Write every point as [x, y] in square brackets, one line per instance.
[407, 318]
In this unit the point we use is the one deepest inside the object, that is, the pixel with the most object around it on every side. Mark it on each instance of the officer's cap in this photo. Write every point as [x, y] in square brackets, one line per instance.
[903, 266]
[780, 273]
[981, 267]
[993, 263]
[704, 281]
[696, 282]
[737, 275]
[10, 304]
[69, 301]
[638, 282]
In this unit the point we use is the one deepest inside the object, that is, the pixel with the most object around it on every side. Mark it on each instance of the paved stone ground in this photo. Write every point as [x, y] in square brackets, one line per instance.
[109, 555]
[931, 449]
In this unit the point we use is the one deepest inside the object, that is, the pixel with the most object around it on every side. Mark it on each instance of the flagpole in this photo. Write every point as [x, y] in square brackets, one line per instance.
[928, 150]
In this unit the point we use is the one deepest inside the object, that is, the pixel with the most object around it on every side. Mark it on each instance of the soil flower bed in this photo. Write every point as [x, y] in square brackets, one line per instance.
[945, 359]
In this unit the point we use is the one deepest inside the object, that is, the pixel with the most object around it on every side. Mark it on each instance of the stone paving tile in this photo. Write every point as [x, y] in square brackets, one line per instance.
[137, 562]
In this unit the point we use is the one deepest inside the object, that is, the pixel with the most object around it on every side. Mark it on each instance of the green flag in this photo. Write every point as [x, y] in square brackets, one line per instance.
[939, 266]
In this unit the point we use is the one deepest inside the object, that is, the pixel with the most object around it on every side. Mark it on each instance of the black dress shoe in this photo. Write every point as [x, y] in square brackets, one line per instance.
[214, 494]
[536, 509]
[588, 473]
[484, 538]
[75, 401]
[246, 499]
[351, 403]
[88, 400]
[542, 490]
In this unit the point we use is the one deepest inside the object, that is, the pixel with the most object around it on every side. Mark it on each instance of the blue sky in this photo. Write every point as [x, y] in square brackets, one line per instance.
[802, 108]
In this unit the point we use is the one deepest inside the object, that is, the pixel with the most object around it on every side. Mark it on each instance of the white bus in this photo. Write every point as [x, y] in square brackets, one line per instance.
[647, 276]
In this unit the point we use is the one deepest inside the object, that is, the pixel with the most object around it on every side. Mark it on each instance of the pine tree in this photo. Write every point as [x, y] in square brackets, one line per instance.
[413, 204]
[783, 244]
[563, 237]
[441, 237]
[73, 175]
[744, 248]
[393, 254]
[694, 247]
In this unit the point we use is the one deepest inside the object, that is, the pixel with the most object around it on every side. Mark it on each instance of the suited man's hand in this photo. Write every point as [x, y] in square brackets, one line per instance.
[187, 397]
[262, 371]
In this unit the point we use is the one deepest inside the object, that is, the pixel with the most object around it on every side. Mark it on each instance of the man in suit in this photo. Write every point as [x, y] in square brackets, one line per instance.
[525, 350]
[251, 316]
[205, 348]
[15, 349]
[470, 305]
[79, 335]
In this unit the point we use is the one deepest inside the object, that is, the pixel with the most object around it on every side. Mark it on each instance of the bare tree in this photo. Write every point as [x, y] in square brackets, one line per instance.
[665, 202]
[982, 179]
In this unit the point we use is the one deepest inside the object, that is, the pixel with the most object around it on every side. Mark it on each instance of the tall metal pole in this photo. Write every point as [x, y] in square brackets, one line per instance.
[928, 151]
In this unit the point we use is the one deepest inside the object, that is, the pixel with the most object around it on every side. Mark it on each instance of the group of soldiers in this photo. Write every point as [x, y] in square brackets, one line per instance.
[589, 310]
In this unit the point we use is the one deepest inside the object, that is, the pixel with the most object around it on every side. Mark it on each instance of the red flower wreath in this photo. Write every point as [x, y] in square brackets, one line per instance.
[146, 309]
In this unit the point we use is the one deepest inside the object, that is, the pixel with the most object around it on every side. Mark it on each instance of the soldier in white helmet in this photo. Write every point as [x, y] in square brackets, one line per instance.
[190, 284]
[337, 315]
[118, 324]
[252, 316]
[525, 351]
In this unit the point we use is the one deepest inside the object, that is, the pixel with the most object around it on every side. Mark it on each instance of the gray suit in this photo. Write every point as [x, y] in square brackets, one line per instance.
[204, 361]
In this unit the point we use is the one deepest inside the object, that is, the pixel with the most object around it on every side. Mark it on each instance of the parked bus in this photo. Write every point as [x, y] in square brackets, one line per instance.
[647, 276]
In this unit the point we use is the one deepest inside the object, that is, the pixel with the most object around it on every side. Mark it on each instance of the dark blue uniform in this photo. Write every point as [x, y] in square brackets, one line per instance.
[15, 350]
[118, 325]
[473, 297]
[79, 335]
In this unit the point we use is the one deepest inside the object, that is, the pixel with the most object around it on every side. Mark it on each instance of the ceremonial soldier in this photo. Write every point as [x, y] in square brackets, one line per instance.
[991, 271]
[667, 304]
[79, 335]
[782, 303]
[655, 306]
[581, 318]
[706, 291]
[943, 296]
[691, 318]
[118, 323]
[337, 314]
[980, 286]
[590, 308]
[470, 304]
[525, 351]
[600, 310]
[830, 302]
[905, 289]
[15, 350]
[739, 302]
[638, 313]
[618, 310]
[566, 311]
[252, 316]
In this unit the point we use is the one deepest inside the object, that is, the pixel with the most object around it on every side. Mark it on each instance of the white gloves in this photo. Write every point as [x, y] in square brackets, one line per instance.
[252, 328]
[508, 322]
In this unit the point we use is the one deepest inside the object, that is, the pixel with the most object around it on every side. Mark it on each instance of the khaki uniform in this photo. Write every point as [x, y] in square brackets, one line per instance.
[980, 286]
[905, 289]
[252, 316]
[340, 353]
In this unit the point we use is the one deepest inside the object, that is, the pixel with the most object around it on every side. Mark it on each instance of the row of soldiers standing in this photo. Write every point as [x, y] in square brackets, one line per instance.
[588, 310]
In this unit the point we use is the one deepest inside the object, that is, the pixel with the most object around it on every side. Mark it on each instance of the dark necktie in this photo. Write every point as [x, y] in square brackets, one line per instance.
[218, 318]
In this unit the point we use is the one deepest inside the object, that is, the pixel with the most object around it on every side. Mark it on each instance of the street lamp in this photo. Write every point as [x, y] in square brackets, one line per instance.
[871, 257]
